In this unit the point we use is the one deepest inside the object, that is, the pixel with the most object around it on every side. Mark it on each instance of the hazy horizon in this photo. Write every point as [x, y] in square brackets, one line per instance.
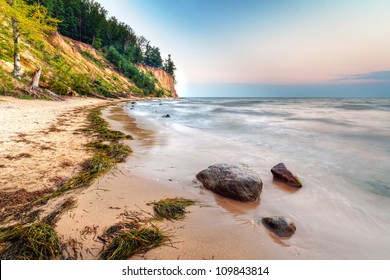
[335, 46]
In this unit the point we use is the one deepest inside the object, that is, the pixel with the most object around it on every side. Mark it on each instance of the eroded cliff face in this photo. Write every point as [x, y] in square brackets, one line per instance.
[164, 79]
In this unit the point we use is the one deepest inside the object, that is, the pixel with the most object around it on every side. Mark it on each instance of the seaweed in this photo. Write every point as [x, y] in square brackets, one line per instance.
[34, 242]
[171, 208]
[132, 242]
[40, 241]
[54, 216]
[107, 153]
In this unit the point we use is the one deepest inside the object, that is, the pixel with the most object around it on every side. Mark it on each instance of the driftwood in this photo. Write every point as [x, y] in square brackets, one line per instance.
[54, 96]
[98, 96]
[34, 90]
[38, 92]
[34, 85]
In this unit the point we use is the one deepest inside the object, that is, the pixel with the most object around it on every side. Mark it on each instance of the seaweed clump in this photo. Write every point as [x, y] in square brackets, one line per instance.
[171, 208]
[126, 244]
[35, 242]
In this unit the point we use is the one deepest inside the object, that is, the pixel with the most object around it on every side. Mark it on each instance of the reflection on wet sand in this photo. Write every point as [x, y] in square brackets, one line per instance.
[147, 138]
[235, 207]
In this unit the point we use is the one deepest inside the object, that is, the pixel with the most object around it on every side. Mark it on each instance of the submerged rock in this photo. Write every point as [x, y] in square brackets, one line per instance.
[233, 181]
[281, 173]
[281, 226]
[166, 116]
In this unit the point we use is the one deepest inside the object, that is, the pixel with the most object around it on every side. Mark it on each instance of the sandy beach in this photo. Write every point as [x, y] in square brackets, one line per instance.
[41, 146]
[40, 141]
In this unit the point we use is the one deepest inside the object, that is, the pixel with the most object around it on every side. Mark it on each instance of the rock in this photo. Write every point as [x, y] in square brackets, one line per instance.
[281, 173]
[233, 181]
[133, 102]
[281, 226]
[166, 116]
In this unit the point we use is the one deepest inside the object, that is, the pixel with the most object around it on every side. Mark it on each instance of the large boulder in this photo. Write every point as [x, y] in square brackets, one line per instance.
[281, 173]
[281, 226]
[233, 181]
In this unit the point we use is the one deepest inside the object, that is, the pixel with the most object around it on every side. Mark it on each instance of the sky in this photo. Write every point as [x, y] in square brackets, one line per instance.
[338, 47]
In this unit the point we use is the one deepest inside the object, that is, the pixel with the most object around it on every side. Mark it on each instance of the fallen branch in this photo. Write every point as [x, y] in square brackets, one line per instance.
[98, 96]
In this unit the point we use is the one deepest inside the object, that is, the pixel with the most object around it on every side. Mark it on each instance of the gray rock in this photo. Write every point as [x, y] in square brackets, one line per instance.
[281, 173]
[166, 116]
[233, 181]
[281, 226]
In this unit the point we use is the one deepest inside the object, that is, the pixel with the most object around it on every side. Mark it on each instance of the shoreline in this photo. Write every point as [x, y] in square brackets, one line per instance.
[40, 199]
[217, 233]
[214, 228]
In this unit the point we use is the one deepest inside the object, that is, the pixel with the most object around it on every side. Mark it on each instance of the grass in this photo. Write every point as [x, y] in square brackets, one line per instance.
[127, 244]
[34, 242]
[171, 208]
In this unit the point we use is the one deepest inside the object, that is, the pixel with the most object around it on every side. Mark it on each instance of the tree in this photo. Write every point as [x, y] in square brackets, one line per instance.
[152, 56]
[169, 66]
[26, 20]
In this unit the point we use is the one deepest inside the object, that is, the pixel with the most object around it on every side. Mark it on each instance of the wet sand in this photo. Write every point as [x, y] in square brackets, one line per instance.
[213, 229]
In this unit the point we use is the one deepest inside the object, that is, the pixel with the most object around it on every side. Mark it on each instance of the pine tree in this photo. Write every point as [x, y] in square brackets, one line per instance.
[169, 66]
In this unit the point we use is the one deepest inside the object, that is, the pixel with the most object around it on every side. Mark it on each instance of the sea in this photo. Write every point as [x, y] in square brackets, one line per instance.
[339, 148]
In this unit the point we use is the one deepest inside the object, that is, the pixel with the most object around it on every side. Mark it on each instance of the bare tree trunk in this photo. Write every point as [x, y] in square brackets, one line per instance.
[16, 34]
[35, 79]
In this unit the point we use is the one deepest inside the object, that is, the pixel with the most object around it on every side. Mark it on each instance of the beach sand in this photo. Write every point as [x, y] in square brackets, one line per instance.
[40, 144]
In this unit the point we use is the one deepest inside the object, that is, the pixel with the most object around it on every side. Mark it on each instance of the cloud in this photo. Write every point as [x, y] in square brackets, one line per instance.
[372, 76]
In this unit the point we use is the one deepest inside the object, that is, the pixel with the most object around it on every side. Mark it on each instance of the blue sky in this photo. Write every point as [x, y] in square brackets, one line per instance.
[259, 42]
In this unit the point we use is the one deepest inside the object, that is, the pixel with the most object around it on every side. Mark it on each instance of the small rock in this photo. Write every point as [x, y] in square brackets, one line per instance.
[281, 226]
[133, 102]
[166, 116]
[233, 181]
[281, 173]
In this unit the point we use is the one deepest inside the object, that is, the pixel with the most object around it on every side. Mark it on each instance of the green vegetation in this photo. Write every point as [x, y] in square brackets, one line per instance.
[30, 21]
[34, 242]
[6, 86]
[171, 208]
[92, 58]
[169, 67]
[144, 81]
[87, 21]
[126, 244]
[34, 21]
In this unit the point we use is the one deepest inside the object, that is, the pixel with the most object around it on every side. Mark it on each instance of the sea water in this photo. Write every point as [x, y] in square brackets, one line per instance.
[339, 148]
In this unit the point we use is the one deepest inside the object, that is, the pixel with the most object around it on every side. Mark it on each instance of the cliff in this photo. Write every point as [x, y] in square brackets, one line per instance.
[70, 67]
[165, 80]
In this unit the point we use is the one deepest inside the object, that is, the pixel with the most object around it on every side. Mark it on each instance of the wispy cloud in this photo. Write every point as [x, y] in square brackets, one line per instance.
[372, 76]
